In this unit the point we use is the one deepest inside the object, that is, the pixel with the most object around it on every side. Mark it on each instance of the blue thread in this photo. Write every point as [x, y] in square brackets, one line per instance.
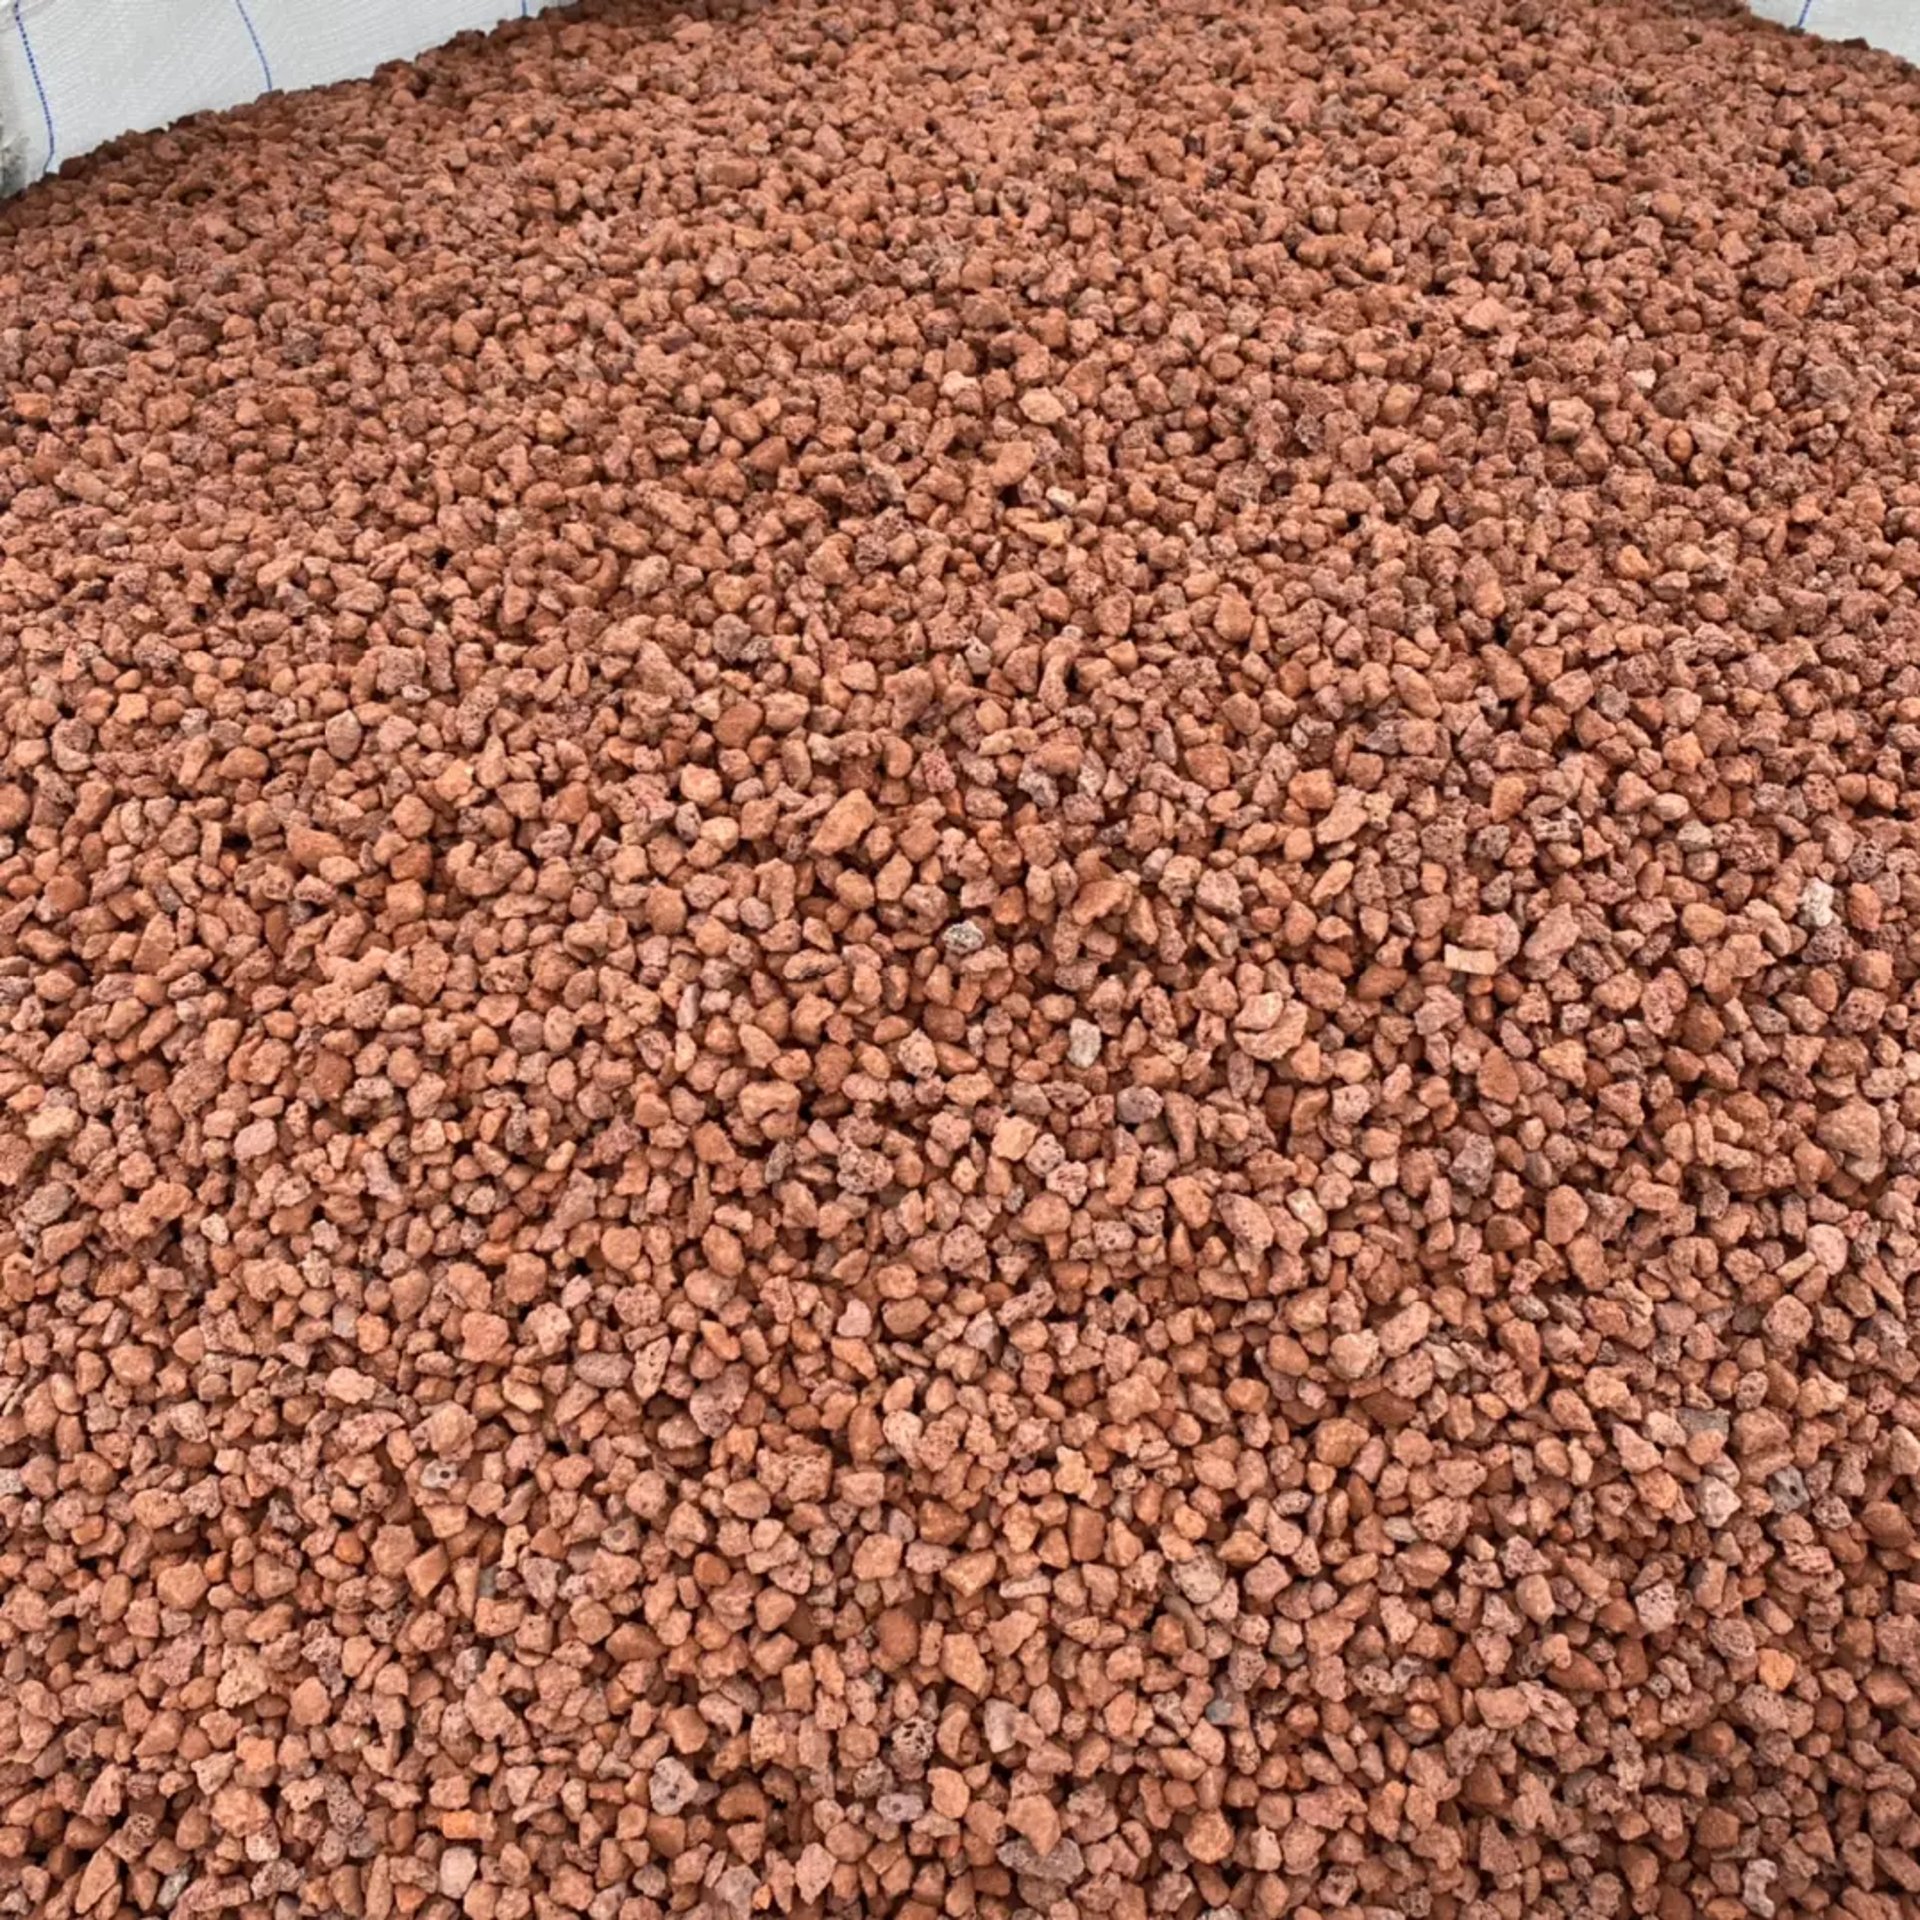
[259, 52]
[1806, 7]
[33, 68]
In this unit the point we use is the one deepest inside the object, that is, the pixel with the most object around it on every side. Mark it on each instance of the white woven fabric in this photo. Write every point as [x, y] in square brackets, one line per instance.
[1893, 24]
[76, 72]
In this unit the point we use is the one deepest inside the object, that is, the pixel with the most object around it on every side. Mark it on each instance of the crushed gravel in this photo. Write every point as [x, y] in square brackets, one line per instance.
[961, 962]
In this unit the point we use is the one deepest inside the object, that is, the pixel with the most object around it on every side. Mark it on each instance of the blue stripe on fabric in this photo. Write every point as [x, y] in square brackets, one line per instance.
[39, 87]
[259, 52]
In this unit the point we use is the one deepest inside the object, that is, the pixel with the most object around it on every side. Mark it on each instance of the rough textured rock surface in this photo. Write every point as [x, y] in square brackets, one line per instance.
[961, 962]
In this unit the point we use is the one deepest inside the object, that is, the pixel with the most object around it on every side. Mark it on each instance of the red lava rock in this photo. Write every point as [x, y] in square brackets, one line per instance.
[963, 965]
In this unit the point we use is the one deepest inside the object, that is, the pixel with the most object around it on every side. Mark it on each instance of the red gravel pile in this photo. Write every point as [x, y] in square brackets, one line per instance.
[962, 962]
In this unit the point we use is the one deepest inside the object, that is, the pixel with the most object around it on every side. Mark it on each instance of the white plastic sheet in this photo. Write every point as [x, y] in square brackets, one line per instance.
[1893, 24]
[76, 72]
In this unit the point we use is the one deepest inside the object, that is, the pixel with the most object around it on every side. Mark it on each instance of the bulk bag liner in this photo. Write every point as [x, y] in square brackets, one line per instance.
[1893, 24]
[74, 73]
